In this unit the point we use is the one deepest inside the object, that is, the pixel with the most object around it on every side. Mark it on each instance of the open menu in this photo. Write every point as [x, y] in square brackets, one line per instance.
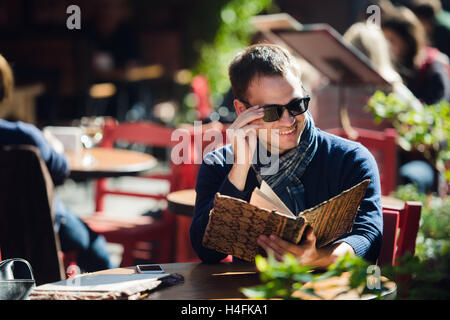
[234, 224]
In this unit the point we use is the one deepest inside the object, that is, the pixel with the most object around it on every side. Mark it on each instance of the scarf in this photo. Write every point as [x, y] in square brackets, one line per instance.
[286, 181]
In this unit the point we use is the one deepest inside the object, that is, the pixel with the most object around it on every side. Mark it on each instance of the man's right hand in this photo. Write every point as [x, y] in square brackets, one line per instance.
[243, 137]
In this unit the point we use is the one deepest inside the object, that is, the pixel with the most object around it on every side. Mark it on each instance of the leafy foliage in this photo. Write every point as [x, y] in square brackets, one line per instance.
[427, 130]
[433, 238]
[421, 279]
[428, 272]
[283, 279]
[225, 29]
[233, 34]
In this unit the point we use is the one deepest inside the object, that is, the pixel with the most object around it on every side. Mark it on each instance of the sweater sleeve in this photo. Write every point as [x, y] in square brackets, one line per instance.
[212, 178]
[56, 163]
[366, 235]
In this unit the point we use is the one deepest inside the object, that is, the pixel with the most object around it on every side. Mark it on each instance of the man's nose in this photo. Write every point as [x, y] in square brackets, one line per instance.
[286, 118]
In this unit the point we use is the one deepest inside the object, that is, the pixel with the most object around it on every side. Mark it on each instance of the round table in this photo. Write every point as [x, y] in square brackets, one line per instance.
[182, 202]
[108, 162]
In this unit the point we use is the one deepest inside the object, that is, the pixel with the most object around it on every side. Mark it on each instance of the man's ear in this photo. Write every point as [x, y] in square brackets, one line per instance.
[238, 106]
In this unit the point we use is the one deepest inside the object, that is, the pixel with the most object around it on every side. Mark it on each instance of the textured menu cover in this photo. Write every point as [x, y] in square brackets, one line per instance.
[234, 225]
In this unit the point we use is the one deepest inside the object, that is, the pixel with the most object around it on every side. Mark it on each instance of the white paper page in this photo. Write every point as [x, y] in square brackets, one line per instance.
[267, 190]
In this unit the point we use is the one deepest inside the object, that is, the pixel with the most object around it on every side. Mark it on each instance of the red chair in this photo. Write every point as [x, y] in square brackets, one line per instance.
[132, 232]
[200, 89]
[383, 146]
[204, 138]
[400, 227]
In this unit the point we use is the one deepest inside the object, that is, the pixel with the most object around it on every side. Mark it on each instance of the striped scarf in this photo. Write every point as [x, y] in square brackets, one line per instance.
[292, 164]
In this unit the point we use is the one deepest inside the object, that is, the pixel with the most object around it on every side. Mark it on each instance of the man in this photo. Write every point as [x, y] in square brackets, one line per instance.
[73, 233]
[313, 165]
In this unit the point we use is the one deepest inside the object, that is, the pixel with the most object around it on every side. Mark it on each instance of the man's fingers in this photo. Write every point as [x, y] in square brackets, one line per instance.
[262, 242]
[277, 245]
[284, 247]
[247, 116]
[310, 236]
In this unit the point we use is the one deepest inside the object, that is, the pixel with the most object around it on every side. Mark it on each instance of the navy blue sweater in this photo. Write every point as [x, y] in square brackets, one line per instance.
[337, 165]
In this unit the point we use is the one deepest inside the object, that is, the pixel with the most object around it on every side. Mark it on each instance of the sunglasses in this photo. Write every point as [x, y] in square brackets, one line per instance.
[274, 112]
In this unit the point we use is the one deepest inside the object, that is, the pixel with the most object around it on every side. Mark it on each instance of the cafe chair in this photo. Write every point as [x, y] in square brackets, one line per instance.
[383, 146]
[136, 232]
[26, 228]
[400, 227]
[204, 138]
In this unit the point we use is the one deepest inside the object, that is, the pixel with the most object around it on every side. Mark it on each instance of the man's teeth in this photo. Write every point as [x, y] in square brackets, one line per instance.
[288, 132]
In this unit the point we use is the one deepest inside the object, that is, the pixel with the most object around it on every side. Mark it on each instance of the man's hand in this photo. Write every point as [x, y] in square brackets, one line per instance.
[242, 134]
[306, 252]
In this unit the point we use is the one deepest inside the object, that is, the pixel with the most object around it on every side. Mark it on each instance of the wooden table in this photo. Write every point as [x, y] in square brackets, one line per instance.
[108, 162]
[223, 281]
[182, 202]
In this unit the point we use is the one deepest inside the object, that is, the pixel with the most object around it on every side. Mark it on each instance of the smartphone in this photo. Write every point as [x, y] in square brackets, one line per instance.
[149, 268]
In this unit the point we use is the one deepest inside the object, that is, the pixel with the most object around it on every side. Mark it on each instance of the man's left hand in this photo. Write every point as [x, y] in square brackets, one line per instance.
[306, 252]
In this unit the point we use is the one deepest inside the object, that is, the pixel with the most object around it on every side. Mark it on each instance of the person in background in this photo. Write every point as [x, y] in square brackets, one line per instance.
[436, 22]
[423, 69]
[74, 234]
[369, 39]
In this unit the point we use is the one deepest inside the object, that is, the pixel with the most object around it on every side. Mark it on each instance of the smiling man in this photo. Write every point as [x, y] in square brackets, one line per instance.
[312, 165]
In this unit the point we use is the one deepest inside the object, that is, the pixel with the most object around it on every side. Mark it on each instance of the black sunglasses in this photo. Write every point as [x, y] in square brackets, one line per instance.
[274, 112]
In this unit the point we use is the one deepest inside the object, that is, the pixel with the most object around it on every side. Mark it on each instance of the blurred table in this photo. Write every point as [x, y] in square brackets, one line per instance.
[393, 203]
[182, 202]
[97, 163]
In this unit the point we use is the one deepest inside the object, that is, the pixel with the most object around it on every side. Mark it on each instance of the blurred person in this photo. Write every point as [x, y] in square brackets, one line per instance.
[435, 21]
[74, 234]
[113, 40]
[369, 39]
[423, 69]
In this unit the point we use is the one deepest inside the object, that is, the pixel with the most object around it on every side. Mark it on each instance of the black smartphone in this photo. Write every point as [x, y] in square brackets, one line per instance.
[149, 268]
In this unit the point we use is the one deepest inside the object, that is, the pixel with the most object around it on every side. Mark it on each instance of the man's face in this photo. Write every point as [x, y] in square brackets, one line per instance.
[266, 90]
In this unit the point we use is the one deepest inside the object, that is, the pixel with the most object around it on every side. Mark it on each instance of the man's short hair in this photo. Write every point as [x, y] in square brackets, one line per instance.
[6, 79]
[259, 60]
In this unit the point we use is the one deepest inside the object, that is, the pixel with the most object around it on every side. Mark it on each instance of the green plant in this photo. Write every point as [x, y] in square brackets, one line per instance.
[428, 271]
[222, 28]
[421, 278]
[283, 279]
[233, 34]
[433, 238]
[426, 130]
